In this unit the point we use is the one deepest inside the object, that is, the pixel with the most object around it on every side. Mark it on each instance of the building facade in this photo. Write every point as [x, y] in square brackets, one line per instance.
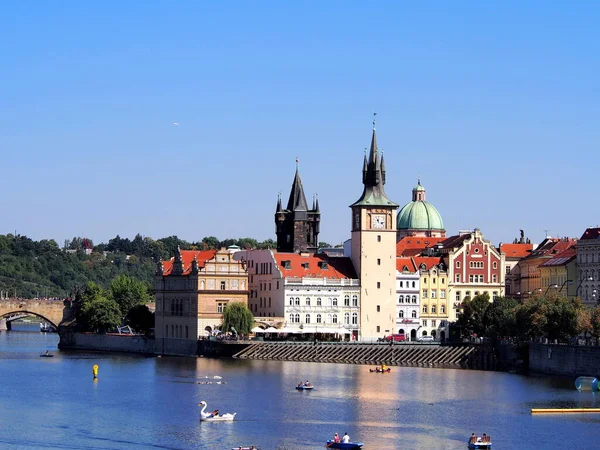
[513, 253]
[191, 291]
[407, 293]
[435, 294]
[588, 266]
[373, 249]
[297, 227]
[307, 293]
[554, 273]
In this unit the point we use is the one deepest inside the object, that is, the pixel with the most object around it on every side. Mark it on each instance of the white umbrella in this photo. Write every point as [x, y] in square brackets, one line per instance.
[289, 330]
[271, 330]
[257, 330]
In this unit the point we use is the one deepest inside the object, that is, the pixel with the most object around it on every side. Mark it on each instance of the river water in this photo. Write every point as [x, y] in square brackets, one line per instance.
[152, 403]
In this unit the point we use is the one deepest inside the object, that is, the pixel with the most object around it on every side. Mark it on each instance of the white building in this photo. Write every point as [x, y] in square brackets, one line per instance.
[407, 294]
[309, 293]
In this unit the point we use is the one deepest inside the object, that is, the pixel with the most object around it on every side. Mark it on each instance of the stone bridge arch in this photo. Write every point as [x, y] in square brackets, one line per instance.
[56, 312]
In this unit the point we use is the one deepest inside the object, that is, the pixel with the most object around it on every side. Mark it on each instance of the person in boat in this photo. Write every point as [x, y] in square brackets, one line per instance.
[215, 413]
[473, 438]
[47, 352]
[307, 384]
[484, 438]
[300, 384]
[346, 438]
[336, 438]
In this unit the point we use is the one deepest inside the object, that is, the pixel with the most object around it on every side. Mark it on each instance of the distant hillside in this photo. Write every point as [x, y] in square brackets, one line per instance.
[30, 269]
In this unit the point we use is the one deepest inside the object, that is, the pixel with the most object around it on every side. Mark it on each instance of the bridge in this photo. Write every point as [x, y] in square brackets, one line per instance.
[56, 312]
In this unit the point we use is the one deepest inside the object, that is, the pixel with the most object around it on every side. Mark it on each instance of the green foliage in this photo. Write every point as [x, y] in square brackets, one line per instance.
[324, 245]
[470, 319]
[238, 316]
[102, 315]
[499, 318]
[140, 318]
[128, 292]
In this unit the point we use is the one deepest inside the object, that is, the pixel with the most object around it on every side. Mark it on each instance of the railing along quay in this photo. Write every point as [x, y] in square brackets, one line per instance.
[405, 354]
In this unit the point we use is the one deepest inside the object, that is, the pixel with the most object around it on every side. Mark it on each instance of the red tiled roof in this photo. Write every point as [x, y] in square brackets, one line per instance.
[561, 258]
[187, 256]
[337, 267]
[553, 246]
[455, 241]
[429, 261]
[516, 250]
[412, 246]
[591, 233]
[409, 263]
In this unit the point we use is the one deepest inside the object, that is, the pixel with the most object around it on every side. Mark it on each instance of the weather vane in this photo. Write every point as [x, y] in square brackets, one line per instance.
[374, 114]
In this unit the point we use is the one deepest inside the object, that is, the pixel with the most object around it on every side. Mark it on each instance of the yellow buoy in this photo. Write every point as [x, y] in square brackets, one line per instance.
[565, 411]
[95, 370]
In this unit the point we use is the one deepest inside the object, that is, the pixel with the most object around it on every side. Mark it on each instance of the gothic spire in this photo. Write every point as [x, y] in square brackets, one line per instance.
[297, 200]
[278, 202]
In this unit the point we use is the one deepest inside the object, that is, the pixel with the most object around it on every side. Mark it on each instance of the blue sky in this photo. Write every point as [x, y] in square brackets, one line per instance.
[495, 105]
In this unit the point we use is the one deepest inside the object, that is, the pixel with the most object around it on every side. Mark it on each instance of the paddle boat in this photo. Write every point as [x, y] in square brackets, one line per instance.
[46, 355]
[479, 442]
[344, 445]
[210, 417]
[382, 369]
[305, 386]
[252, 447]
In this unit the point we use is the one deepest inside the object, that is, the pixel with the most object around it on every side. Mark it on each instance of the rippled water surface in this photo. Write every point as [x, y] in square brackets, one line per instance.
[146, 403]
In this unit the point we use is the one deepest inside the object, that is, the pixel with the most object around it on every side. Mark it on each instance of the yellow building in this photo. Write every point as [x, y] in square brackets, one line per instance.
[191, 291]
[435, 294]
[554, 273]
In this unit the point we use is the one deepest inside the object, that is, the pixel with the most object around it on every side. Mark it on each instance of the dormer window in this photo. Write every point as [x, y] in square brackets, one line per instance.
[287, 264]
[423, 267]
[305, 265]
[323, 265]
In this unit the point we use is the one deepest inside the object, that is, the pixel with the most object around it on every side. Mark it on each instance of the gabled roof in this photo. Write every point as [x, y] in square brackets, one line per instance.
[301, 266]
[561, 259]
[591, 233]
[187, 256]
[412, 246]
[455, 241]
[428, 261]
[409, 263]
[516, 250]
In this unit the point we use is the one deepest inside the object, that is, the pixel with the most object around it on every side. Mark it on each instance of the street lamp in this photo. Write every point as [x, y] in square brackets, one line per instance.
[555, 286]
[580, 283]
[563, 285]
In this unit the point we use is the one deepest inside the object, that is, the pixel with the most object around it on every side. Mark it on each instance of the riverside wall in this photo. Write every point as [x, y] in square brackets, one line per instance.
[569, 360]
[70, 340]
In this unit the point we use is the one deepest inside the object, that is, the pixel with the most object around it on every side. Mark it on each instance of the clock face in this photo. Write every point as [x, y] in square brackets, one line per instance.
[378, 222]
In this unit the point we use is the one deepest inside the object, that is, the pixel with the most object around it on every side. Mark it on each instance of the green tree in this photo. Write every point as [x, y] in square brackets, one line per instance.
[266, 244]
[531, 319]
[128, 292]
[238, 316]
[324, 245]
[562, 317]
[499, 318]
[211, 242]
[595, 321]
[140, 318]
[83, 300]
[471, 318]
[102, 315]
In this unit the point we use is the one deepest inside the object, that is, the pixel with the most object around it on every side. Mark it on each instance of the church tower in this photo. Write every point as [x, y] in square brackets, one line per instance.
[296, 226]
[374, 249]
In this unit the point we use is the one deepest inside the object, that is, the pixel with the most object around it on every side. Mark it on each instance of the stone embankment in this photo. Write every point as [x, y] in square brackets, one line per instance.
[570, 360]
[415, 355]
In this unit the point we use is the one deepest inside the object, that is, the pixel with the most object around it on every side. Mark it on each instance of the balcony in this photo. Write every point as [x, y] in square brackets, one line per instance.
[320, 282]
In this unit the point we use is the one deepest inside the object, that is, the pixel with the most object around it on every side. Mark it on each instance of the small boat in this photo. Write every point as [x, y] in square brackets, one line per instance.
[380, 370]
[46, 355]
[343, 445]
[207, 417]
[252, 447]
[479, 442]
[305, 387]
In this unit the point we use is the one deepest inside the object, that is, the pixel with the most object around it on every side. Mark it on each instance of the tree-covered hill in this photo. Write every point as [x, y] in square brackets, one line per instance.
[30, 269]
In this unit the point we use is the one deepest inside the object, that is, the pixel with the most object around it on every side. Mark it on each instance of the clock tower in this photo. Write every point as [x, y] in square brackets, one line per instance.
[374, 249]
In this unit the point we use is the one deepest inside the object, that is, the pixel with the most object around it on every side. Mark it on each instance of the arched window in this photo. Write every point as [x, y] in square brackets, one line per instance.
[319, 303]
[354, 319]
[413, 284]
[401, 299]
[335, 301]
[346, 300]
[443, 309]
[424, 333]
[414, 299]
[401, 314]
[307, 318]
[334, 320]
[355, 300]
[424, 309]
[347, 318]
[414, 314]
[297, 301]
[318, 318]
[433, 309]
[434, 334]
[297, 317]
[291, 301]
[307, 301]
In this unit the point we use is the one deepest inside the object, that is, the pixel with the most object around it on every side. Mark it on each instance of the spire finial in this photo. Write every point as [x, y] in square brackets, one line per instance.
[374, 114]
[419, 180]
[297, 161]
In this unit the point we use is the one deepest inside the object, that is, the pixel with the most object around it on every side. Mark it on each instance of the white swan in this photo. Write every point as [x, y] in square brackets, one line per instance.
[208, 417]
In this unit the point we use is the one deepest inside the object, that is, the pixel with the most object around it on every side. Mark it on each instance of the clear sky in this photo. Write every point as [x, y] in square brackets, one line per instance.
[495, 105]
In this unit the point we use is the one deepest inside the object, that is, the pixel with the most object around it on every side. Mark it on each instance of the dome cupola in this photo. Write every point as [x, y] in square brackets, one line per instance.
[419, 217]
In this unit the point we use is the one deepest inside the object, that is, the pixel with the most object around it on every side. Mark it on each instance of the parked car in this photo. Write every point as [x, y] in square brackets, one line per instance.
[426, 339]
[396, 337]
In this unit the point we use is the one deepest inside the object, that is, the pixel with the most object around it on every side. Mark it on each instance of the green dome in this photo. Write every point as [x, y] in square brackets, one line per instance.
[418, 187]
[419, 215]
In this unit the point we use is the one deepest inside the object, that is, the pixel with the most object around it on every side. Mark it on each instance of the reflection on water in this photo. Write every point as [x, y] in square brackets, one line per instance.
[139, 402]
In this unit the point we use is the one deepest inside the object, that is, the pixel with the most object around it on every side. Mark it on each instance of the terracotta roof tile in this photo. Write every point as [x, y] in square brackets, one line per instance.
[429, 261]
[312, 266]
[412, 246]
[409, 263]
[187, 256]
[455, 241]
[516, 250]
[561, 258]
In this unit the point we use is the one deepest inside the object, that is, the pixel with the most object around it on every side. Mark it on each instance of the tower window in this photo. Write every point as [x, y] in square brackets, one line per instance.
[378, 261]
[378, 308]
[378, 238]
[378, 285]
